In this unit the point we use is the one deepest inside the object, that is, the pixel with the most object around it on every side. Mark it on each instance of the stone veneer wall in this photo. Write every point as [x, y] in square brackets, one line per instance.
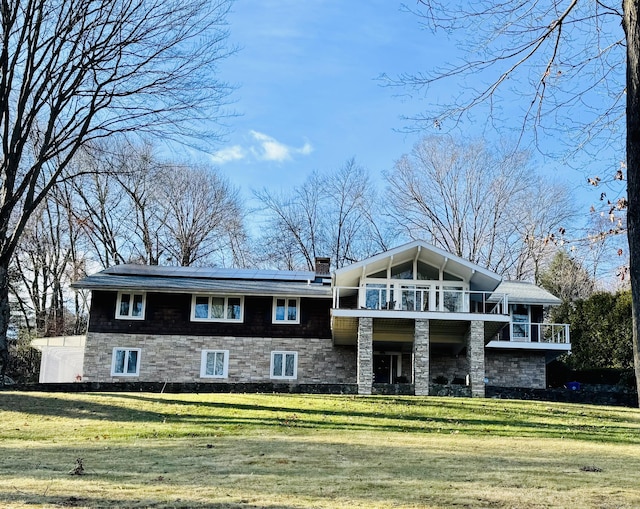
[516, 369]
[421, 358]
[475, 356]
[365, 355]
[175, 358]
[451, 367]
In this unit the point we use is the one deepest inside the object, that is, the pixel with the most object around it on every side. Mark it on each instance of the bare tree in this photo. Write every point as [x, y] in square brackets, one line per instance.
[139, 172]
[350, 214]
[99, 208]
[41, 270]
[117, 204]
[76, 267]
[570, 53]
[293, 235]
[82, 70]
[203, 214]
[135, 207]
[336, 215]
[479, 204]
[541, 215]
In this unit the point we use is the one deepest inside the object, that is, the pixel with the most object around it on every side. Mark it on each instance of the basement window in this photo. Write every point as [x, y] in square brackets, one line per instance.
[125, 362]
[284, 365]
[215, 364]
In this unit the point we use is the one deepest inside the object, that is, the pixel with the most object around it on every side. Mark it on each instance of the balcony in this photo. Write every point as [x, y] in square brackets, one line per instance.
[552, 338]
[556, 333]
[418, 299]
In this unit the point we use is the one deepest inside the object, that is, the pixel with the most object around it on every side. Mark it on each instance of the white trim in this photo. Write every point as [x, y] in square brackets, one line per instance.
[284, 355]
[132, 295]
[225, 308]
[126, 361]
[429, 247]
[425, 315]
[286, 307]
[524, 345]
[203, 364]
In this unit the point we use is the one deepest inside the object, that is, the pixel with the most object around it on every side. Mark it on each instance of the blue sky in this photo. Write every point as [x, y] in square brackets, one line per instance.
[309, 98]
[308, 93]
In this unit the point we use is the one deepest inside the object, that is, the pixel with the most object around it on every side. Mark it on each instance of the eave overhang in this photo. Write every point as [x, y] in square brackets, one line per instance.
[480, 279]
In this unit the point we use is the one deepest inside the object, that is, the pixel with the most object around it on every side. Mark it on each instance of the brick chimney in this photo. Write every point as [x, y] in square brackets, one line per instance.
[323, 266]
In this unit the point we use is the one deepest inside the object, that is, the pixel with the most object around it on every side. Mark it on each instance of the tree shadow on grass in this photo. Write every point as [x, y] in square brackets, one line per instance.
[191, 417]
[410, 414]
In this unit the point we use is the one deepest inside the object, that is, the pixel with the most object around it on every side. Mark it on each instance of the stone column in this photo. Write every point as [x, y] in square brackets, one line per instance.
[365, 355]
[475, 356]
[421, 357]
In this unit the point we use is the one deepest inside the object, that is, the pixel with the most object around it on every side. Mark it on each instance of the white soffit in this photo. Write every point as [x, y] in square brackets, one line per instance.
[479, 277]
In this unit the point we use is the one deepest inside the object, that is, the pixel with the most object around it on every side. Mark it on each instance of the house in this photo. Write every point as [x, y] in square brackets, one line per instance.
[411, 315]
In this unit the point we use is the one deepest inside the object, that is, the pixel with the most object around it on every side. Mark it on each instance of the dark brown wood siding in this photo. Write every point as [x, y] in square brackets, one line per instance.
[169, 313]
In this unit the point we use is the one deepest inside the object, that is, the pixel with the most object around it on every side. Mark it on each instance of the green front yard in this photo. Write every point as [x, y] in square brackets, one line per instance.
[285, 452]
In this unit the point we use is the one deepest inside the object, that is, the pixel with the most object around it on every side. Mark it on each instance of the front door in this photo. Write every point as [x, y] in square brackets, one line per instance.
[386, 368]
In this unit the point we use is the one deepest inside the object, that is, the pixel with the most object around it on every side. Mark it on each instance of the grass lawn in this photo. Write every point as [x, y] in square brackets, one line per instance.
[292, 451]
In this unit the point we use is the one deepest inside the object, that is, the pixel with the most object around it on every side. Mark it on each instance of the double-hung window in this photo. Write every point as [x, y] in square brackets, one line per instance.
[130, 306]
[216, 308]
[284, 365]
[215, 364]
[286, 310]
[125, 362]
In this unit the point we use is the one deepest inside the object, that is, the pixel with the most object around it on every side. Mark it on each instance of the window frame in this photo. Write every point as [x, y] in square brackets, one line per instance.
[203, 363]
[127, 351]
[129, 316]
[274, 318]
[514, 324]
[225, 310]
[284, 354]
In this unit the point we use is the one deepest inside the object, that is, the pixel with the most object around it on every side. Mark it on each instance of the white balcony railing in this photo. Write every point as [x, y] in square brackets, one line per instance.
[442, 299]
[540, 333]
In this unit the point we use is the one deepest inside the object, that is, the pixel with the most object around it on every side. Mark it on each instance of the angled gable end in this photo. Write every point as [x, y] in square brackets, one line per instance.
[418, 260]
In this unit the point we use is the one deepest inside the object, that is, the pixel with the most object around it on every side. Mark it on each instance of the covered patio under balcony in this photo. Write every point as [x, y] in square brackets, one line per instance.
[413, 309]
[416, 351]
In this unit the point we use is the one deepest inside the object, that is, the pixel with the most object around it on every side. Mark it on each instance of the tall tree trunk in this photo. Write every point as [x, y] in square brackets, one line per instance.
[5, 313]
[632, 31]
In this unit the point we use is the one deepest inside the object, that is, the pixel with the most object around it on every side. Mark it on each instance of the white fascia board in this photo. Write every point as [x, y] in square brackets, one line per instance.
[349, 275]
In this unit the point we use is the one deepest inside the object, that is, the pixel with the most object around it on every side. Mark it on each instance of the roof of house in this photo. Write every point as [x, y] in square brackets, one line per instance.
[478, 277]
[523, 292]
[131, 277]
[211, 272]
[206, 280]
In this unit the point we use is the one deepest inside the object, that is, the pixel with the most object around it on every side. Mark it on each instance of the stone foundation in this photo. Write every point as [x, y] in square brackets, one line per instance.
[454, 368]
[516, 369]
[174, 358]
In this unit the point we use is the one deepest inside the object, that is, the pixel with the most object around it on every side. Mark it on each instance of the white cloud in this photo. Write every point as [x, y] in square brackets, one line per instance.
[306, 149]
[271, 149]
[263, 148]
[228, 154]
